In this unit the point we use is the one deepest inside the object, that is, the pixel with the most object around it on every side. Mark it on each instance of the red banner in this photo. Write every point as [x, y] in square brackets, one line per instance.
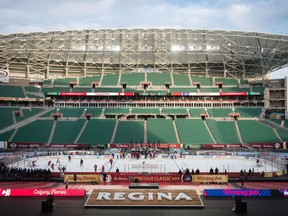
[221, 146]
[72, 93]
[42, 192]
[151, 145]
[233, 93]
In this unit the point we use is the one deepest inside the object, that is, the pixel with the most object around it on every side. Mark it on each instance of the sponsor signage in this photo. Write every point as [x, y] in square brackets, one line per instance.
[24, 145]
[67, 145]
[210, 178]
[142, 198]
[146, 178]
[4, 76]
[42, 192]
[82, 177]
[233, 93]
[243, 192]
[266, 145]
[221, 146]
[72, 94]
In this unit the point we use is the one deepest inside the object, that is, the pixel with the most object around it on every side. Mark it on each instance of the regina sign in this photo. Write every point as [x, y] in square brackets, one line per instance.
[141, 198]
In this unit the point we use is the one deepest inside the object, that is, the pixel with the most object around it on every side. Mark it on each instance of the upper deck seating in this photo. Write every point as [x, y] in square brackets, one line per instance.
[11, 91]
[132, 79]
[110, 80]
[64, 81]
[87, 81]
[181, 80]
[227, 81]
[159, 79]
[204, 81]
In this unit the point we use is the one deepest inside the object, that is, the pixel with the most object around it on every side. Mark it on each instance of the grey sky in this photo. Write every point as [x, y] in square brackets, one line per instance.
[269, 16]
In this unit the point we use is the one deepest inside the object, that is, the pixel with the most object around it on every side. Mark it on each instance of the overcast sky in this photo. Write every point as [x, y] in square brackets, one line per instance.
[269, 16]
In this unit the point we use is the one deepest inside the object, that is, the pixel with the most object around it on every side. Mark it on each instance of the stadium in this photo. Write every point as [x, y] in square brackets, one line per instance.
[157, 102]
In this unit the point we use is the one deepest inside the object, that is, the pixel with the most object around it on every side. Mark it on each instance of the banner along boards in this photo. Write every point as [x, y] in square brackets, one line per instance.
[142, 198]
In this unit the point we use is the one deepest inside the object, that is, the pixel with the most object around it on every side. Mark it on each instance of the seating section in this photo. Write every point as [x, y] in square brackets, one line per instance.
[202, 80]
[253, 131]
[32, 89]
[132, 79]
[227, 81]
[56, 89]
[37, 131]
[161, 131]
[87, 81]
[286, 124]
[27, 113]
[97, 131]
[196, 112]
[175, 111]
[64, 81]
[82, 89]
[110, 80]
[95, 112]
[11, 91]
[283, 135]
[48, 114]
[248, 112]
[158, 79]
[276, 121]
[67, 131]
[47, 82]
[181, 80]
[71, 112]
[6, 136]
[215, 89]
[258, 89]
[116, 111]
[6, 117]
[193, 132]
[105, 89]
[130, 132]
[223, 131]
[219, 112]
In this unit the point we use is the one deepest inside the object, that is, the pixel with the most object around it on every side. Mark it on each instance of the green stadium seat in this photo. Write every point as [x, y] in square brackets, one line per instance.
[130, 131]
[37, 131]
[159, 79]
[110, 80]
[181, 80]
[67, 131]
[253, 131]
[97, 132]
[223, 131]
[193, 132]
[132, 79]
[161, 131]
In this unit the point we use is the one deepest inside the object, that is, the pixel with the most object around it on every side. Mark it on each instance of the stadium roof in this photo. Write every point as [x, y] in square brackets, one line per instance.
[89, 52]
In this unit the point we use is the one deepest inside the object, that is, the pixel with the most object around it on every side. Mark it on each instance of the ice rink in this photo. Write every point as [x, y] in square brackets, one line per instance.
[160, 164]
